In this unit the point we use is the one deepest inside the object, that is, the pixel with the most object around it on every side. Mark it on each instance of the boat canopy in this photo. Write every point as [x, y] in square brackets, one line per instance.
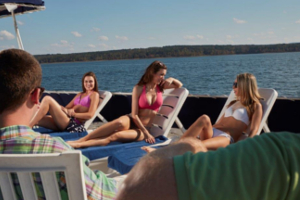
[17, 7]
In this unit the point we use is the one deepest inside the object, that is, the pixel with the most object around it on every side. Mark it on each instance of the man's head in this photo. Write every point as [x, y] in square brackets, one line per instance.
[20, 75]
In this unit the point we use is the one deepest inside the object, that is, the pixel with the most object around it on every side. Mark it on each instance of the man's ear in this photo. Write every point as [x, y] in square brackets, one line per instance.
[35, 96]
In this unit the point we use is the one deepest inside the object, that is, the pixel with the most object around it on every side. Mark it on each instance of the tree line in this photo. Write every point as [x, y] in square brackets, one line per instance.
[169, 51]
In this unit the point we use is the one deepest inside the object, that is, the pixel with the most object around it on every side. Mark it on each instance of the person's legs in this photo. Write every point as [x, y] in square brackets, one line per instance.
[216, 142]
[121, 136]
[202, 128]
[120, 124]
[59, 119]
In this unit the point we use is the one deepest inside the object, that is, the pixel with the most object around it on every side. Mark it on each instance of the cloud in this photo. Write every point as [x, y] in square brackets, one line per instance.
[297, 22]
[122, 38]
[103, 45]
[191, 37]
[5, 35]
[20, 23]
[151, 38]
[94, 29]
[229, 37]
[91, 46]
[63, 43]
[103, 38]
[239, 21]
[76, 34]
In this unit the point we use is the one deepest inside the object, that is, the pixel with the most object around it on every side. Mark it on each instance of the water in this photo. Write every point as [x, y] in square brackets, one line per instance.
[212, 75]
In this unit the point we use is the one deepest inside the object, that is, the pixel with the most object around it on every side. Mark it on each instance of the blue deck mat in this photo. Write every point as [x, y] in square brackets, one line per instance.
[63, 135]
[103, 151]
[123, 161]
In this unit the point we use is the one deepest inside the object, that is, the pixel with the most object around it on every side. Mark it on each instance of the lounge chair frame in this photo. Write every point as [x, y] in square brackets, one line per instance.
[69, 162]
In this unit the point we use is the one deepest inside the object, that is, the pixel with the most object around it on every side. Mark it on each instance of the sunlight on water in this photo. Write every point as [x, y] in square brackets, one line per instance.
[200, 75]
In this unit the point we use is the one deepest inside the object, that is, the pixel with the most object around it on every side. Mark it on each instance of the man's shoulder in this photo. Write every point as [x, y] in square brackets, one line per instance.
[22, 139]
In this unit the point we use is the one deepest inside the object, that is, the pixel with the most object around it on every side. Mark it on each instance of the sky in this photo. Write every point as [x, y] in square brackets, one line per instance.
[72, 26]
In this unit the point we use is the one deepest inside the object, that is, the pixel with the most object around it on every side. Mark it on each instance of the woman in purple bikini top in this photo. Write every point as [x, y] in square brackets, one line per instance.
[83, 101]
[70, 118]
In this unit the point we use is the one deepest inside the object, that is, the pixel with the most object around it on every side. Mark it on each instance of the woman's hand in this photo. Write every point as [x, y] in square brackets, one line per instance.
[71, 112]
[149, 138]
[167, 82]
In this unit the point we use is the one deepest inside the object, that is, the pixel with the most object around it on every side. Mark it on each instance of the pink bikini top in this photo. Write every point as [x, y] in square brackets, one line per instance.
[84, 101]
[143, 102]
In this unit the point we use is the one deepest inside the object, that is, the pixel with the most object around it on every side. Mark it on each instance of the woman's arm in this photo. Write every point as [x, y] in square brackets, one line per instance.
[92, 109]
[137, 91]
[256, 120]
[171, 83]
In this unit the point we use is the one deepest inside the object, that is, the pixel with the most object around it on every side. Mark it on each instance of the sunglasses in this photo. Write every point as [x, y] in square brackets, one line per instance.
[234, 84]
[41, 91]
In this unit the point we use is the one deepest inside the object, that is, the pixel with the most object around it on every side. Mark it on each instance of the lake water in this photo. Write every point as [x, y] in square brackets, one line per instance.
[211, 75]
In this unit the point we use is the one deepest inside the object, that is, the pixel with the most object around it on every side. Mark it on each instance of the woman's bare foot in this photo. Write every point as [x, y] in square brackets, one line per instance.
[148, 149]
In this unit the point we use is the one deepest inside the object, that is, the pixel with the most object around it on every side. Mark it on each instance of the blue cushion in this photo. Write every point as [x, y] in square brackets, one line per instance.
[63, 135]
[103, 151]
[123, 160]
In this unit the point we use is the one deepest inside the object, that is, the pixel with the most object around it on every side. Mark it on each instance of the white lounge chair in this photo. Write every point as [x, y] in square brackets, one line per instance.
[173, 100]
[269, 97]
[47, 165]
[104, 98]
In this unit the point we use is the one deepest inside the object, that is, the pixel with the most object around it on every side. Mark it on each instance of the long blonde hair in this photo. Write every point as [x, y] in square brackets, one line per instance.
[248, 92]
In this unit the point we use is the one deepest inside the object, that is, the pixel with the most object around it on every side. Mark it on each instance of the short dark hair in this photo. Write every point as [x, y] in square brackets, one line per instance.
[20, 73]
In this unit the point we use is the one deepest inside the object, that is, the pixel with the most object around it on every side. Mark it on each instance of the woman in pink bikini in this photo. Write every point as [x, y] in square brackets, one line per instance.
[146, 101]
[72, 117]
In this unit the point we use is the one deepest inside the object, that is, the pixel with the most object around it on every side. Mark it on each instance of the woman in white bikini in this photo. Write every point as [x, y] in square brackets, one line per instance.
[146, 101]
[241, 119]
[72, 117]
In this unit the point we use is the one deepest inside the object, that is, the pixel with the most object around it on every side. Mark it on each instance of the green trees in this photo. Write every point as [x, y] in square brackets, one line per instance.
[169, 51]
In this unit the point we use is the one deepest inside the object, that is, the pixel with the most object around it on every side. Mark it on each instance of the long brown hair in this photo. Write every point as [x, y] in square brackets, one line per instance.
[248, 92]
[152, 69]
[92, 74]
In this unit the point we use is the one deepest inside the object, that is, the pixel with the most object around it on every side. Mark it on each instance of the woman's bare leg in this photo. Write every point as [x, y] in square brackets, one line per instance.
[121, 136]
[48, 104]
[216, 142]
[120, 124]
[202, 128]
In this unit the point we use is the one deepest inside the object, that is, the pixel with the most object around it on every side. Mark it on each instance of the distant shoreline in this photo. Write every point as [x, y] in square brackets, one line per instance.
[168, 52]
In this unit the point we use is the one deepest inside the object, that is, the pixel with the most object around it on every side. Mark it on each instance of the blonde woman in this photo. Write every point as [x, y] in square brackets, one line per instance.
[241, 119]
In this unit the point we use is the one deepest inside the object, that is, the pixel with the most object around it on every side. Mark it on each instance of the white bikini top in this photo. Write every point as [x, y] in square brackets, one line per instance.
[239, 112]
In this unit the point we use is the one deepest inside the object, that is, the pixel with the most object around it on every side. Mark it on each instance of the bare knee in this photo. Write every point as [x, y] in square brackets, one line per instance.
[47, 99]
[204, 121]
[121, 123]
